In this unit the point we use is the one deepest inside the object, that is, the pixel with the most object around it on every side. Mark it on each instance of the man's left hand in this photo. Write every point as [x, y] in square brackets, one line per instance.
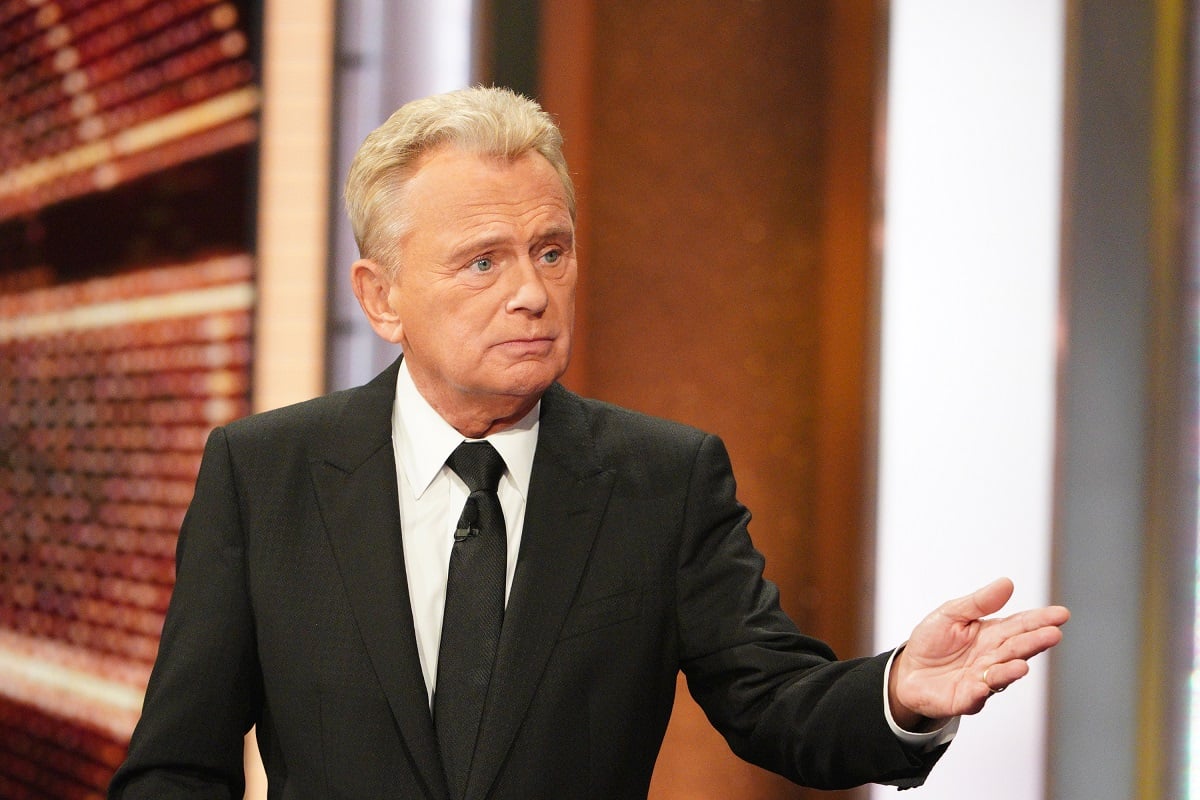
[956, 659]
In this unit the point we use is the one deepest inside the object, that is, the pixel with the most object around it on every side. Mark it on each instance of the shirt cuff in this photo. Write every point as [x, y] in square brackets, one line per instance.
[923, 742]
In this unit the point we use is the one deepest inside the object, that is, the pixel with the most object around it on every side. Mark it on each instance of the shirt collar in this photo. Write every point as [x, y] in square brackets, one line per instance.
[423, 440]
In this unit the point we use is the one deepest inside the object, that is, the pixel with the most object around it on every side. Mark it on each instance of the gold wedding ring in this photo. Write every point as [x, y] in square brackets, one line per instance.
[991, 689]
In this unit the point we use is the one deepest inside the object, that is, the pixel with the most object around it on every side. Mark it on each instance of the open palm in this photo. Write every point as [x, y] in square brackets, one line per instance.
[958, 656]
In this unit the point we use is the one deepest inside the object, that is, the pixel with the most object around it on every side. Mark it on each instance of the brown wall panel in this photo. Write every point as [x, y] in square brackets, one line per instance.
[725, 208]
[705, 234]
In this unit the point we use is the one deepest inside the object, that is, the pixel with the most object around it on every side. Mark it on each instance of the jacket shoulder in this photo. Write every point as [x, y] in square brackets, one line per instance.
[305, 416]
[333, 420]
[623, 432]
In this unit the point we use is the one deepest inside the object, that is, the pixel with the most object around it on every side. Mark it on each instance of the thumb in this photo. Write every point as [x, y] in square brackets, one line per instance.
[981, 602]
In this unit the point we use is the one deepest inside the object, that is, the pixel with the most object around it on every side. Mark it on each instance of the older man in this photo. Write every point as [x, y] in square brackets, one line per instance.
[463, 581]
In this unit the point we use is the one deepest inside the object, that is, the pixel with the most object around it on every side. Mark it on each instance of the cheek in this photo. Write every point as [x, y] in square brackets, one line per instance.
[563, 289]
[460, 334]
[566, 302]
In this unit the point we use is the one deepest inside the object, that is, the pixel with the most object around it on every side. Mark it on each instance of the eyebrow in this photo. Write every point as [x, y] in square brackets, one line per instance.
[481, 245]
[487, 243]
[557, 232]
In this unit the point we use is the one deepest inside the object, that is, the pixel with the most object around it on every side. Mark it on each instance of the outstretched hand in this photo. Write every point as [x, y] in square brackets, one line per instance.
[956, 659]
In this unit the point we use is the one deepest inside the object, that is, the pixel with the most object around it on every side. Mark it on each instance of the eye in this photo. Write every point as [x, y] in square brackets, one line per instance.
[555, 257]
[482, 265]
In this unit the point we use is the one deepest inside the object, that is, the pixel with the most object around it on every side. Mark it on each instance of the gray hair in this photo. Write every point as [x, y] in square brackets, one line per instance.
[488, 121]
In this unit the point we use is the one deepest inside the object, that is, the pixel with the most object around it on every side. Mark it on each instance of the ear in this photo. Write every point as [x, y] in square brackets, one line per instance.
[374, 287]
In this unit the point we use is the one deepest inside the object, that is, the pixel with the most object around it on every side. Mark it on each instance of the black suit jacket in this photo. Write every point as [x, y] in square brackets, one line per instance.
[291, 612]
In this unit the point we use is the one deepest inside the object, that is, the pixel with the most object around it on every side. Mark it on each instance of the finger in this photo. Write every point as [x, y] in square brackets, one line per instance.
[1032, 620]
[1010, 661]
[1001, 675]
[981, 602]
[1029, 619]
[998, 632]
[1025, 644]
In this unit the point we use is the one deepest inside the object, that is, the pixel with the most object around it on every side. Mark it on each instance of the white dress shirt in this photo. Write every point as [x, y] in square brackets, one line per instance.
[432, 498]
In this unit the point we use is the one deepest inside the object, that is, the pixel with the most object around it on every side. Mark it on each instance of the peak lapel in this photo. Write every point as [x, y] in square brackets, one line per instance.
[567, 496]
[355, 478]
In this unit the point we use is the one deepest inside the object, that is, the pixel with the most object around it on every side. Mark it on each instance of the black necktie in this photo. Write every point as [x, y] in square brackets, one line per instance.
[474, 611]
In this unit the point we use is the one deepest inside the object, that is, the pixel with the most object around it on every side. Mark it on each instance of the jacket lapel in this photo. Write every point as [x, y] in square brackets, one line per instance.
[567, 495]
[354, 472]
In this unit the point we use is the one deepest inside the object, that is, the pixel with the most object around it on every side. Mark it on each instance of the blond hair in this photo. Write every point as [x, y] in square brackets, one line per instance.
[489, 121]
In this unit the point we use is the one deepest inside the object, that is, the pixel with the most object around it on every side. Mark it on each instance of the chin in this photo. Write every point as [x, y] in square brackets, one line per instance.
[527, 382]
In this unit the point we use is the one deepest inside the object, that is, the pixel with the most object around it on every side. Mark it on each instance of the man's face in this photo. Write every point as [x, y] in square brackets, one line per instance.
[485, 290]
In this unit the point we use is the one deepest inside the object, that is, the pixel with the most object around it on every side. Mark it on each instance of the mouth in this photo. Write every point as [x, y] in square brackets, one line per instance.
[528, 347]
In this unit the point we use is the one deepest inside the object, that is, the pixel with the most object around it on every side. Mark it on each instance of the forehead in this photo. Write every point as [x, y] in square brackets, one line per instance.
[451, 181]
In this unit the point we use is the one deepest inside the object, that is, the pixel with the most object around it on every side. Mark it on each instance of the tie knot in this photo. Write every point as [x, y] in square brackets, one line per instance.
[478, 464]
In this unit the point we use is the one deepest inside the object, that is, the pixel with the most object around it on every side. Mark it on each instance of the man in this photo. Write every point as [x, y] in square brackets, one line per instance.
[321, 592]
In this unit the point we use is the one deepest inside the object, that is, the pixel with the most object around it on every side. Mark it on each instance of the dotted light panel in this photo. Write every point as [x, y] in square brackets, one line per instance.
[127, 138]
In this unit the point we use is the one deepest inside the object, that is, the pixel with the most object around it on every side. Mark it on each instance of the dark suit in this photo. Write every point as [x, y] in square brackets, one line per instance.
[291, 611]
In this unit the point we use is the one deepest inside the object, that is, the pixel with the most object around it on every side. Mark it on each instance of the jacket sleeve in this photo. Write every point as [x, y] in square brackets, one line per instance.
[780, 698]
[205, 689]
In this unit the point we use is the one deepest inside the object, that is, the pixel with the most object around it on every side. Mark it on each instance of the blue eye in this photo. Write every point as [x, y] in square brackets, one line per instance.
[482, 265]
[552, 256]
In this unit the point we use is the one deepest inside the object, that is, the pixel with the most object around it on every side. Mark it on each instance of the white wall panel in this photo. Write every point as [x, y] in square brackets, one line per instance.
[970, 266]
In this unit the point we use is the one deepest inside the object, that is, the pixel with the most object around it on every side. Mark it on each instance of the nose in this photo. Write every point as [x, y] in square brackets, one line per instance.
[529, 292]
